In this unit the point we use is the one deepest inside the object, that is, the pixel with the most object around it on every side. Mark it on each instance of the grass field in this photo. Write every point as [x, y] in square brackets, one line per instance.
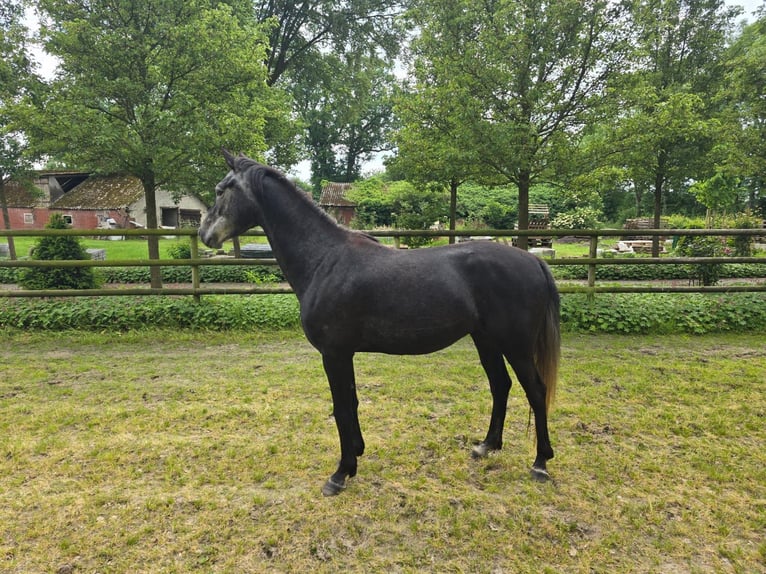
[116, 250]
[205, 452]
[137, 248]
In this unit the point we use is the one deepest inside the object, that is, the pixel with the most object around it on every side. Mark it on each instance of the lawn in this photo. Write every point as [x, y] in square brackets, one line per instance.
[137, 249]
[117, 250]
[153, 451]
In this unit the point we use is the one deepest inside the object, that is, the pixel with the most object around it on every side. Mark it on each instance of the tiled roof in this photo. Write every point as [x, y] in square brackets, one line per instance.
[102, 192]
[334, 194]
[16, 195]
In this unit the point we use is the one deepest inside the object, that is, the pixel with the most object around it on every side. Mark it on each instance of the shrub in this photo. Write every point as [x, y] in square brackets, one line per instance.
[208, 274]
[499, 216]
[743, 246]
[58, 248]
[604, 313]
[579, 218]
[8, 275]
[655, 272]
[180, 250]
[132, 313]
[702, 246]
[642, 313]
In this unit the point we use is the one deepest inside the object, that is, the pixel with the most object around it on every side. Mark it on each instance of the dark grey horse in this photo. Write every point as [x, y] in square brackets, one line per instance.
[358, 295]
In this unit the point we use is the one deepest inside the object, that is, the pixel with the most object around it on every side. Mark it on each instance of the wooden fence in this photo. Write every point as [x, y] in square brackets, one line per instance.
[196, 262]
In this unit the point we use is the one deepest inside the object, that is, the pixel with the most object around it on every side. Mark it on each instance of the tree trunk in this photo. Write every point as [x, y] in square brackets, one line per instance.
[7, 221]
[639, 193]
[453, 185]
[524, 178]
[659, 180]
[153, 241]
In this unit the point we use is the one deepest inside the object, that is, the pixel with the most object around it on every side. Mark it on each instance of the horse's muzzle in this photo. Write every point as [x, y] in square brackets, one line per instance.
[208, 238]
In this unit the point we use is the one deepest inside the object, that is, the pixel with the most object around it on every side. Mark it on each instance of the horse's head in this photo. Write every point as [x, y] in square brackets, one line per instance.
[236, 209]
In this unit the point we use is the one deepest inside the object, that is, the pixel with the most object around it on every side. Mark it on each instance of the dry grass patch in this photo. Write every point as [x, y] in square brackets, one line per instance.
[165, 452]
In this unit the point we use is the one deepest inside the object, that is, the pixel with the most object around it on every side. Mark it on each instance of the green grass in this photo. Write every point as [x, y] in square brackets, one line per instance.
[164, 452]
[116, 250]
[136, 249]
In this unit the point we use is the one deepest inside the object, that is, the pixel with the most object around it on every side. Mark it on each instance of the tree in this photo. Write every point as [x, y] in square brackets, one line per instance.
[16, 77]
[300, 29]
[335, 57]
[519, 75]
[742, 149]
[346, 104]
[663, 123]
[427, 141]
[153, 90]
[397, 203]
[717, 194]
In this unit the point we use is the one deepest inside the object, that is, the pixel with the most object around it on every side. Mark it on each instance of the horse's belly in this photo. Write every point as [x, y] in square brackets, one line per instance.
[410, 338]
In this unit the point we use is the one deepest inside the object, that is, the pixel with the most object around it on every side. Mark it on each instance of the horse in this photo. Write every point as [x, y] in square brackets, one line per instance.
[358, 295]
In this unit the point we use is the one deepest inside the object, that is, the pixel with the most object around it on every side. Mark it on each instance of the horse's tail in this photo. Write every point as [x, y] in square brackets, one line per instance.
[548, 344]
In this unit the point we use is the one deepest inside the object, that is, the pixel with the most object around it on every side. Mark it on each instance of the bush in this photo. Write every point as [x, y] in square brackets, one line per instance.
[132, 313]
[180, 250]
[655, 272]
[604, 313]
[579, 218]
[59, 248]
[702, 246]
[499, 216]
[8, 275]
[642, 313]
[743, 246]
[208, 274]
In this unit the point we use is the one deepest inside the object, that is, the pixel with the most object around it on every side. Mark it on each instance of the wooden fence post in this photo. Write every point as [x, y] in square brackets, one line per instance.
[592, 266]
[194, 254]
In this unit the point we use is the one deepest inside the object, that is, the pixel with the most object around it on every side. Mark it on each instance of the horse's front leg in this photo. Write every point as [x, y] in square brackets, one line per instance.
[340, 374]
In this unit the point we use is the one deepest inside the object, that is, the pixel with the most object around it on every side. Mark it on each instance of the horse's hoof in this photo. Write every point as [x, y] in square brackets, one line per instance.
[332, 488]
[540, 474]
[480, 450]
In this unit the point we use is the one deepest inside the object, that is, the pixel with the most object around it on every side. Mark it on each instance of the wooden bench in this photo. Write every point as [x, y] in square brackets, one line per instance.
[539, 218]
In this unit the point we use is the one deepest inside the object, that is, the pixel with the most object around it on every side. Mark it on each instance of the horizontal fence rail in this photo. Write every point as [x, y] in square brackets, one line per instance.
[196, 262]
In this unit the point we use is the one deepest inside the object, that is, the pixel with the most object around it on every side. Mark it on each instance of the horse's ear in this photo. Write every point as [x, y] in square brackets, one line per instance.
[228, 157]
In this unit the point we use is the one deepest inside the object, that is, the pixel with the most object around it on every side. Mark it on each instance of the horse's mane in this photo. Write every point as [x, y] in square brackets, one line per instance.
[256, 172]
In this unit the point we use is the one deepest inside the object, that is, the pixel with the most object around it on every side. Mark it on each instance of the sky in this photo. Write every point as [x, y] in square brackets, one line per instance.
[47, 68]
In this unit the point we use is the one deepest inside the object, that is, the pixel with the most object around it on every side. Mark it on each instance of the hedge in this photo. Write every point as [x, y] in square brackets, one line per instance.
[252, 273]
[604, 313]
[656, 272]
[180, 274]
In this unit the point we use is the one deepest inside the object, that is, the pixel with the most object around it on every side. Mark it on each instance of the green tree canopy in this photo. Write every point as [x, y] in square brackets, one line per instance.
[154, 90]
[662, 122]
[298, 30]
[518, 76]
[742, 149]
[16, 79]
[346, 104]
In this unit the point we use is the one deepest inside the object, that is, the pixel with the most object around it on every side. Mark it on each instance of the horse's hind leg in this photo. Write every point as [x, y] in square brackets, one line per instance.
[535, 390]
[500, 384]
[340, 374]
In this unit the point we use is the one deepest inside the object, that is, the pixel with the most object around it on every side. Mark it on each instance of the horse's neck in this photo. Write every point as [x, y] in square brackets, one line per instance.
[300, 235]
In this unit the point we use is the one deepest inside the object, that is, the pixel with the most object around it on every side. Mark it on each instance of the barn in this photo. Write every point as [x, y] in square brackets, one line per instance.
[95, 202]
[333, 200]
